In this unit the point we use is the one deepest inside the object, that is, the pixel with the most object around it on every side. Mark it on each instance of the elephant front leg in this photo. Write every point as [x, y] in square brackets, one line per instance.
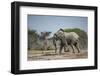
[55, 49]
[77, 47]
[61, 47]
[66, 48]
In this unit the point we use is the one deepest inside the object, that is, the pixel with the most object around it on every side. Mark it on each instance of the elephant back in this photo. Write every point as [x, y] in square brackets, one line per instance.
[71, 36]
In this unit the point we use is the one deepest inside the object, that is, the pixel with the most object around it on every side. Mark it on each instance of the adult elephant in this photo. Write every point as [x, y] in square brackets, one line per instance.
[66, 40]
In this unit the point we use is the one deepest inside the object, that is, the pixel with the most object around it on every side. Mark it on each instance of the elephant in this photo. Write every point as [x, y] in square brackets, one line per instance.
[66, 40]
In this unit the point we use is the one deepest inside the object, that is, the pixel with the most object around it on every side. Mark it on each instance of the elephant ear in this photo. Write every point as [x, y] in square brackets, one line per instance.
[55, 37]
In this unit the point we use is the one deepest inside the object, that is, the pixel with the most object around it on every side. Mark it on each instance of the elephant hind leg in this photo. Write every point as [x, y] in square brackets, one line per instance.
[72, 48]
[77, 47]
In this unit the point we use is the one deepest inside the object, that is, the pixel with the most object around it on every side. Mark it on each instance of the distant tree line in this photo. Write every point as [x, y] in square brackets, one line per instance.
[32, 38]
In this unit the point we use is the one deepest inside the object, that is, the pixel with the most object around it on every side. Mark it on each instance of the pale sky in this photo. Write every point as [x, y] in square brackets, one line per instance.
[43, 23]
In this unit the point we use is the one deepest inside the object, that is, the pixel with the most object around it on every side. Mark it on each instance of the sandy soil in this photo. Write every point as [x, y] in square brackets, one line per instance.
[50, 55]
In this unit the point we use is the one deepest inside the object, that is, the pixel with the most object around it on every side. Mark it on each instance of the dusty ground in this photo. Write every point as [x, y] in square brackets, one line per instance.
[50, 55]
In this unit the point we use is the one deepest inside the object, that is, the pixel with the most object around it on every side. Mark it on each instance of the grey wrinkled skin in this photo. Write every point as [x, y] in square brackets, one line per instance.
[66, 39]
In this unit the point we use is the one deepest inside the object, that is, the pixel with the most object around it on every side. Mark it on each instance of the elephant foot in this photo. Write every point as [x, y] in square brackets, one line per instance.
[66, 51]
[74, 52]
[78, 51]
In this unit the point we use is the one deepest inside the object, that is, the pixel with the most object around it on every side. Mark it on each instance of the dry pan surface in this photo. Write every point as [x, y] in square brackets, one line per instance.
[50, 55]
